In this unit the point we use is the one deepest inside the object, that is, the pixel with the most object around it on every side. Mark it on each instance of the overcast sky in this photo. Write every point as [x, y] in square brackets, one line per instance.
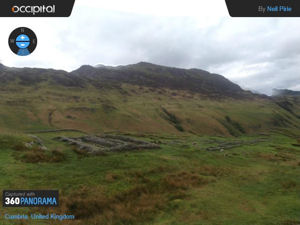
[257, 53]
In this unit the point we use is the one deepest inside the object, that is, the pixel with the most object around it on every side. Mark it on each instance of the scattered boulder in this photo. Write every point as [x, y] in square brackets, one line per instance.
[37, 141]
[43, 148]
[29, 145]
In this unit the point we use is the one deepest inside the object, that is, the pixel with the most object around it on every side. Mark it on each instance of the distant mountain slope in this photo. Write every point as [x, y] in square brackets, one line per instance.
[285, 92]
[288, 100]
[139, 98]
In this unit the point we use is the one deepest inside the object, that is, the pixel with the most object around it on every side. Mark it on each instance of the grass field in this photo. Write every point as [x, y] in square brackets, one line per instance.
[181, 183]
[190, 180]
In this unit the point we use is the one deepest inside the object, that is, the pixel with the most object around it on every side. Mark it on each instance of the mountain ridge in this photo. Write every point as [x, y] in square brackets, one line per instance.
[142, 74]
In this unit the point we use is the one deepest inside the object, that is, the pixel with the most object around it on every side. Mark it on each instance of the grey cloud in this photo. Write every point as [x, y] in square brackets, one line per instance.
[265, 51]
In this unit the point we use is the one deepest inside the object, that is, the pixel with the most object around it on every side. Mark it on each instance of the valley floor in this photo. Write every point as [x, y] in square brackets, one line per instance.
[190, 180]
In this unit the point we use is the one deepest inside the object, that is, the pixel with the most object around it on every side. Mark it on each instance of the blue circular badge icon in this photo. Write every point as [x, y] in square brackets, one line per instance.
[22, 41]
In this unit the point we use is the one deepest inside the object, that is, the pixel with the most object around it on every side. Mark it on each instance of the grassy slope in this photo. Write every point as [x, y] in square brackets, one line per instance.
[246, 185]
[135, 109]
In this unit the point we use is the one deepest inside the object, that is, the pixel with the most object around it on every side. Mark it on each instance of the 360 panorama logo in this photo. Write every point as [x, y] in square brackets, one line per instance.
[33, 9]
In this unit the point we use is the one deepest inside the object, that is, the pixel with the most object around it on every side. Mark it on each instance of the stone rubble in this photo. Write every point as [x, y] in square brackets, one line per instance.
[107, 143]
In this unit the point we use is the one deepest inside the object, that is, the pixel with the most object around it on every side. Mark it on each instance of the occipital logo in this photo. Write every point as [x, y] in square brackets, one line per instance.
[33, 9]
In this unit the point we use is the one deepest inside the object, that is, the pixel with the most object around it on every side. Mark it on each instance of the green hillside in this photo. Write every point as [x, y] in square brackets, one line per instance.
[137, 98]
[137, 109]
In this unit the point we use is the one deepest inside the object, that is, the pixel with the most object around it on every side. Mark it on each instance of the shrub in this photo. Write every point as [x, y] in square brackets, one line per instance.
[19, 147]
[36, 155]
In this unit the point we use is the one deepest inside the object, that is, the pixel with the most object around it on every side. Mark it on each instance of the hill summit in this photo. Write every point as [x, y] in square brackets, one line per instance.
[156, 76]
